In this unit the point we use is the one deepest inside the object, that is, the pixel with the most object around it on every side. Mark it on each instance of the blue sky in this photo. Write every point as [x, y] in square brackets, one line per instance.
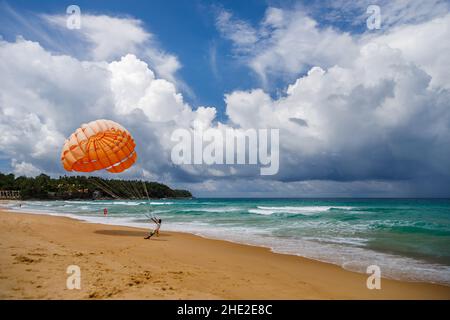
[187, 29]
[184, 28]
[361, 112]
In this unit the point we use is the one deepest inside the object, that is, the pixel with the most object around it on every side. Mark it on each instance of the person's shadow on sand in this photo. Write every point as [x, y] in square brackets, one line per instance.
[127, 233]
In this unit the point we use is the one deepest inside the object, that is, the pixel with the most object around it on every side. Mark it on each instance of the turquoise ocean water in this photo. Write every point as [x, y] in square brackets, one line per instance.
[408, 239]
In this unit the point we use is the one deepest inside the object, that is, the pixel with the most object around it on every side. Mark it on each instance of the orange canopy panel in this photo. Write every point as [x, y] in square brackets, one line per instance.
[100, 144]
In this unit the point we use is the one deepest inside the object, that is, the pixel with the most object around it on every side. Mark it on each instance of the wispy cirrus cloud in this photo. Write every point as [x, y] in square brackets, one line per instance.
[129, 36]
[287, 42]
[240, 32]
[351, 15]
[101, 38]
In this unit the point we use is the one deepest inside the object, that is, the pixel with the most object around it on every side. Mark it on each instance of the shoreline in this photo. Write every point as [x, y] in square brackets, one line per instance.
[399, 276]
[120, 264]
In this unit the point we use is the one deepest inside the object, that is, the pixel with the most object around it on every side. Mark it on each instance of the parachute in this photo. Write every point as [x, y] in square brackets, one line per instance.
[100, 144]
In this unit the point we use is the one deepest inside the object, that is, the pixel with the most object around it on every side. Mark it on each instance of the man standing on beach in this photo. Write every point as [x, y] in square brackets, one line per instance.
[158, 226]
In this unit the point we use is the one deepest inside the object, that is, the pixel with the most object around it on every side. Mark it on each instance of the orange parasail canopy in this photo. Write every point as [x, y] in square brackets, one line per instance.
[100, 144]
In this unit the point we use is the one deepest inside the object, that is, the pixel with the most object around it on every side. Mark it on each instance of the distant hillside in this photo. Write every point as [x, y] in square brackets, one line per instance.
[81, 187]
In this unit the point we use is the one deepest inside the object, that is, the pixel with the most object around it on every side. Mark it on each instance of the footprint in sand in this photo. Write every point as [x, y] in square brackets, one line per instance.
[26, 260]
[176, 272]
[37, 254]
[94, 295]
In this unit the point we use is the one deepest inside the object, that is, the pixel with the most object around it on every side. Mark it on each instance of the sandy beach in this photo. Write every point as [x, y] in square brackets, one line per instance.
[117, 263]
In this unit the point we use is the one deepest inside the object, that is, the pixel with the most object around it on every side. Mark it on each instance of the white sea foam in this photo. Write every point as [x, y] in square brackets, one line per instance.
[124, 203]
[214, 209]
[160, 203]
[261, 211]
[305, 210]
[82, 202]
[339, 240]
[127, 203]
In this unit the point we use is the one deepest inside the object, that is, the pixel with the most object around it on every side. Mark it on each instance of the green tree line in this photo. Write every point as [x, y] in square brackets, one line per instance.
[82, 187]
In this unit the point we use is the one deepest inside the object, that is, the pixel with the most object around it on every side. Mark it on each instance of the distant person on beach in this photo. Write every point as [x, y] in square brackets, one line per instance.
[156, 231]
[105, 212]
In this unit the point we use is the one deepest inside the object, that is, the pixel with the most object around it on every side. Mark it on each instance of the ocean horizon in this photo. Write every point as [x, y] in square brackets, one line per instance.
[408, 238]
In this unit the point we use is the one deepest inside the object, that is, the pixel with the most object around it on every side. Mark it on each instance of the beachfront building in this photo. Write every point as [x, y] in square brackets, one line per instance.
[9, 194]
